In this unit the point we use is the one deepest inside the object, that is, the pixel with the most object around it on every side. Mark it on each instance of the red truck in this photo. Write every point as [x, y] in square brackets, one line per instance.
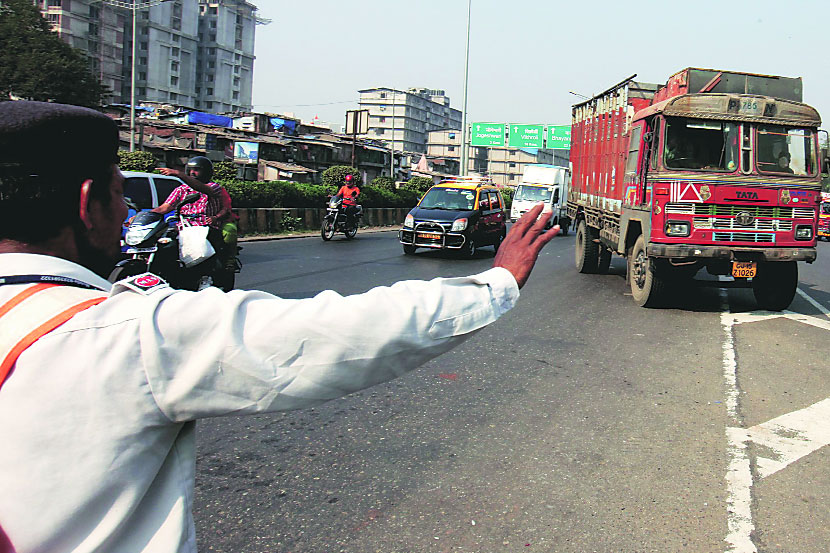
[715, 169]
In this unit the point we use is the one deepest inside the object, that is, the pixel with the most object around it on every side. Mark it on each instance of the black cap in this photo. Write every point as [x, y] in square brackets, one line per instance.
[41, 140]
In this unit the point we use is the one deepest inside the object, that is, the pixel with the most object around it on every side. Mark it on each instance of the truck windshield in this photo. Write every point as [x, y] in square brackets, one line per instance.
[825, 208]
[532, 193]
[782, 150]
[701, 145]
[448, 198]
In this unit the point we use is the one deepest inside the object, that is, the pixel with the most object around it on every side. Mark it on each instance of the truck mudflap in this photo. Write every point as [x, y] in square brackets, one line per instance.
[680, 251]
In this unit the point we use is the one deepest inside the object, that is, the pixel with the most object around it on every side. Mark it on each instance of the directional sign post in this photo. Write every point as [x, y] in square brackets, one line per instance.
[559, 137]
[527, 136]
[487, 134]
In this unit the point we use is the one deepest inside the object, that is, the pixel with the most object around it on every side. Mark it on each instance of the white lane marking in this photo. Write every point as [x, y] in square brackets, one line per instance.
[792, 436]
[739, 473]
[789, 437]
[813, 302]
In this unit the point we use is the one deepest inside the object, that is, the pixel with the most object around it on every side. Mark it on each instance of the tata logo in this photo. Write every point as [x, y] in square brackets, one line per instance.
[747, 195]
[744, 219]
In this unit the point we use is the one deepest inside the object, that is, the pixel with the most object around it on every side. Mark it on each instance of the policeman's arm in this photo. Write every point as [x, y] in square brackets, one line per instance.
[195, 184]
[521, 247]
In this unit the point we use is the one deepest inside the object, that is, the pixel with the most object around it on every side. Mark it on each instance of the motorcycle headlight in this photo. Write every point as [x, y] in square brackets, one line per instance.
[459, 224]
[134, 237]
[409, 221]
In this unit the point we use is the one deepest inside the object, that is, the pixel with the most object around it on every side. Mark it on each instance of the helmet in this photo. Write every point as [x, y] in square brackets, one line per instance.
[204, 165]
[348, 179]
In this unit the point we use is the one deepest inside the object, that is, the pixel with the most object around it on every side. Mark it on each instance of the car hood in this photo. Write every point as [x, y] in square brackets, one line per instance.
[440, 214]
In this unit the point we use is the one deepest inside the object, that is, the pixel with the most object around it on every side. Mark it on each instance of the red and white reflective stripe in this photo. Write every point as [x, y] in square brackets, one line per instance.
[35, 311]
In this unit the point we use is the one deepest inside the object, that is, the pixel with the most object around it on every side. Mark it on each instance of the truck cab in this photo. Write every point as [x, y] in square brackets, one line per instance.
[543, 183]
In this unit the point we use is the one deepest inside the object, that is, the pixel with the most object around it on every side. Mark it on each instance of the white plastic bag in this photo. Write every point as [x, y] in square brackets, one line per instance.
[193, 245]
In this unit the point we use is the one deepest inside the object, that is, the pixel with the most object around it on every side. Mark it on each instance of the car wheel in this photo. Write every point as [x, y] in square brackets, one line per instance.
[499, 240]
[468, 250]
[408, 249]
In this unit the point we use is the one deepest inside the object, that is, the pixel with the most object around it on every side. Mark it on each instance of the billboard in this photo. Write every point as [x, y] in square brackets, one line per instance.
[246, 152]
[487, 134]
[559, 137]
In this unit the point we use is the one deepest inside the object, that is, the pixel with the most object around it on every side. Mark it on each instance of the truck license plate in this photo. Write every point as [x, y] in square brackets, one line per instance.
[744, 269]
[429, 236]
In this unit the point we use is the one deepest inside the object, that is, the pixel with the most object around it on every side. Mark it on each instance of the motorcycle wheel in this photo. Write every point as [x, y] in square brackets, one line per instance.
[327, 230]
[127, 271]
[351, 232]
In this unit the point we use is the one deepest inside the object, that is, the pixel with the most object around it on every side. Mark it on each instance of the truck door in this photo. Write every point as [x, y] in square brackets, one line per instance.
[633, 190]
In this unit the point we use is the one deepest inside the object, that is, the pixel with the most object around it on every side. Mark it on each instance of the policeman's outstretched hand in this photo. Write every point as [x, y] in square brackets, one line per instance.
[522, 244]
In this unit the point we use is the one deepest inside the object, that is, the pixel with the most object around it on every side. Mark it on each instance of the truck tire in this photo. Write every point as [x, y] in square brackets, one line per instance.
[647, 282]
[604, 261]
[775, 284]
[586, 250]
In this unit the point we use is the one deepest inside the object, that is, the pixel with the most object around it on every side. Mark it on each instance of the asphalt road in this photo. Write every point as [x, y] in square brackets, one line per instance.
[578, 422]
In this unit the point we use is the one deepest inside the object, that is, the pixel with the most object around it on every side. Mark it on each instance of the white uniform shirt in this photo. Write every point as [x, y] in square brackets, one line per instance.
[97, 449]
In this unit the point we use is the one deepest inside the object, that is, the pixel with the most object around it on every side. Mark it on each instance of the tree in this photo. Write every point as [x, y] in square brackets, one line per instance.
[336, 174]
[385, 182]
[35, 64]
[419, 184]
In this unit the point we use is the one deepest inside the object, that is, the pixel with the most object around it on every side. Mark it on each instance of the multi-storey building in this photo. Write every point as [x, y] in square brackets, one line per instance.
[194, 53]
[446, 144]
[403, 119]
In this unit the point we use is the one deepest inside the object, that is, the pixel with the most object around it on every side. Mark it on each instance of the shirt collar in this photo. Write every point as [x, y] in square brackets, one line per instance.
[14, 264]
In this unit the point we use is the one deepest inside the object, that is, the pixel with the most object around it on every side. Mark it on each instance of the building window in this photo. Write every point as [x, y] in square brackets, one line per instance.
[210, 92]
[235, 95]
[512, 164]
[212, 37]
[198, 90]
[380, 131]
[451, 148]
[54, 18]
[237, 58]
[236, 81]
[211, 64]
[142, 76]
[142, 91]
[175, 38]
[213, 10]
[142, 61]
[213, 24]
[177, 9]
[209, 78]
[176, 23]
[174, 66]
[174, 96]
[55, 3]
[175, 52]
[383, 95]
[174, 80]
[236, 69]
[381, 119]
[94, 12]
[198, 104]
[211, 51]
[209, 105]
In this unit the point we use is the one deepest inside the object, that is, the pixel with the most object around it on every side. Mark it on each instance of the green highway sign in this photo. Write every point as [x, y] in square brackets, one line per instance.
[526, 136]
[487, 134]
[559, 137]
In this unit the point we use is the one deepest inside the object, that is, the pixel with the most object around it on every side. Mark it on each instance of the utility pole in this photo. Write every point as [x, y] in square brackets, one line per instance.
[464, 150]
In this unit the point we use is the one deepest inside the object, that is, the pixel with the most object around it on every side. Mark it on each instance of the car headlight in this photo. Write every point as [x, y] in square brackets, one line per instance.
[803, 232]
[677, 228]
[409, 221]
[459, 224]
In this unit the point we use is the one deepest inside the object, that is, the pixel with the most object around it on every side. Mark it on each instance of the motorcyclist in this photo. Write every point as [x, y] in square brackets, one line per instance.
[349, 192]
[197, 178]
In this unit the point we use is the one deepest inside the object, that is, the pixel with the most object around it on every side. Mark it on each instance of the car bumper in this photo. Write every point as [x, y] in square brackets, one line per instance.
[449, 240]
[733, 253]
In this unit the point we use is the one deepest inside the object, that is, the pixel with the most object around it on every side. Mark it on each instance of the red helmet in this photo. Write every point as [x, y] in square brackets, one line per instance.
[348, 179]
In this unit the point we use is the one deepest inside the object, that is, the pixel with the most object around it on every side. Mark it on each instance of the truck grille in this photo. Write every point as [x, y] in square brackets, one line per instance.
[743, 237]
[716, 210]
[771, 225]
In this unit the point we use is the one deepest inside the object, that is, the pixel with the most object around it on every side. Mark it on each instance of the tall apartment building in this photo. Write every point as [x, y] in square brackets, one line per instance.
[447, 144]
[194, 53]
[403, 119]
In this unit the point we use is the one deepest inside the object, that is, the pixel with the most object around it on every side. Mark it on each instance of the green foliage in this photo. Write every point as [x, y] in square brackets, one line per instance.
[371, 196]
[36, 64]
[335, 175]
[387, 183]
[291, 223]
[507, 196]
[419, 184]
[224, 170]
[136, 161]
[294, 194]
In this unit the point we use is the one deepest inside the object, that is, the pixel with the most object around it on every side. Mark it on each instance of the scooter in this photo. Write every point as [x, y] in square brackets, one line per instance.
[153, 247]
[336, 219]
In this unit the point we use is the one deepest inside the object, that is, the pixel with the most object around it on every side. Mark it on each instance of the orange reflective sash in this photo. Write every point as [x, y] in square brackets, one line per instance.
[34, 312]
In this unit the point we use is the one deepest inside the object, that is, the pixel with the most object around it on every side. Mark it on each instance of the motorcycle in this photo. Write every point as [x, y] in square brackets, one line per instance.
[336, 219]
[153, 247]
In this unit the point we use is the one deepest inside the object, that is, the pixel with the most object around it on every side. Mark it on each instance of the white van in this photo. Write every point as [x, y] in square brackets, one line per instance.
[543, 183]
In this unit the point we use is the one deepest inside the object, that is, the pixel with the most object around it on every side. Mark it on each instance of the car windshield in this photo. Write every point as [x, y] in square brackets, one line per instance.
[449, 198]
[533, 193]
[700, 144]
[785, 150]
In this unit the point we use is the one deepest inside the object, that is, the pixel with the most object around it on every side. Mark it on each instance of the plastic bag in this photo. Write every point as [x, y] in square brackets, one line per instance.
[193, 245]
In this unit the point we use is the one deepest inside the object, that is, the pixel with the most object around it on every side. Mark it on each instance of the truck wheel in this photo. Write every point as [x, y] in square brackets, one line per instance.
[647, 284]
[775, 284]
[604, 261]
[586, 250]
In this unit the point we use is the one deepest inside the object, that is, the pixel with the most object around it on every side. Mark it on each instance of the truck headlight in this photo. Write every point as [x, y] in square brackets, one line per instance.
[677, 228]
[409, 221]
[459, 224]
[803, 232]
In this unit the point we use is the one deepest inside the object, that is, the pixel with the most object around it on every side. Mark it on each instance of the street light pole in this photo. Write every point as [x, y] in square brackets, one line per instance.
[464, 151]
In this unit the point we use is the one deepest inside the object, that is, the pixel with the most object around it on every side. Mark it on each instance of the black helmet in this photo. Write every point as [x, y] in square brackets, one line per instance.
[204, 165]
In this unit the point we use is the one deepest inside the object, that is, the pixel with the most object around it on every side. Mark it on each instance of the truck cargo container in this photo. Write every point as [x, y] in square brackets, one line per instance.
[715, 169]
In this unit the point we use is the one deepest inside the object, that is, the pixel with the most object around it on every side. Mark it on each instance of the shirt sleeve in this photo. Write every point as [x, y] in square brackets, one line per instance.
[209, 353]
[177, 194]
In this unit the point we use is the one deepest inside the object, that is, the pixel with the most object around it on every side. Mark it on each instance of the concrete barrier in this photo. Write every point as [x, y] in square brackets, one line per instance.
[279, 219]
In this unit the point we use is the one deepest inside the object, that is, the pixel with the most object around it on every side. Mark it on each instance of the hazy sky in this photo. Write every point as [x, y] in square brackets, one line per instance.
[525, 55]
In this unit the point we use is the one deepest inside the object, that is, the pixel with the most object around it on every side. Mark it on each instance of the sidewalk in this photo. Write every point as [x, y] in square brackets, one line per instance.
[307, 233]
